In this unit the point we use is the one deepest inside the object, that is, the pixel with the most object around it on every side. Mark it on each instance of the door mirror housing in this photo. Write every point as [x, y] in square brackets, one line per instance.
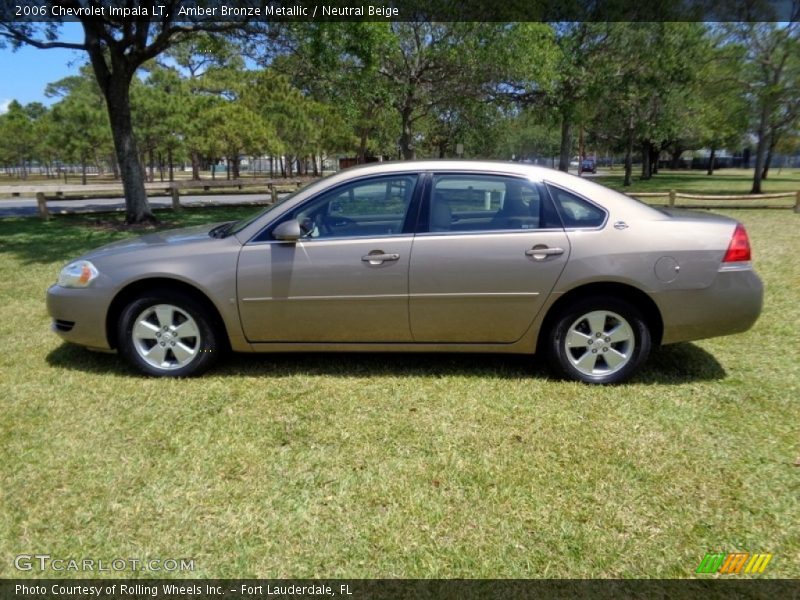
[288, 231]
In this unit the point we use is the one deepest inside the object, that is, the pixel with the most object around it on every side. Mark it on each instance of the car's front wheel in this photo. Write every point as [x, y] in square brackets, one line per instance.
[598, 340]
[168, 334]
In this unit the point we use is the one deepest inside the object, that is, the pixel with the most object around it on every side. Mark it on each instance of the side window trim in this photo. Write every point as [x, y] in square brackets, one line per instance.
[550, 190]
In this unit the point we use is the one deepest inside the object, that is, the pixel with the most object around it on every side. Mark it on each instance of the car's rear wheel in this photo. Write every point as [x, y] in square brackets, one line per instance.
[168, 334]
[598, 340]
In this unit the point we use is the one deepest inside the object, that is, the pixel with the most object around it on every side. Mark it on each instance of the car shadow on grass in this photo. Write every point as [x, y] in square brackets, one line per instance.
[679, 363]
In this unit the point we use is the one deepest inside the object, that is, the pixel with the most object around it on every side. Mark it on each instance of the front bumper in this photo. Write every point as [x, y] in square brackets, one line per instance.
[79, 315]
[731, 304]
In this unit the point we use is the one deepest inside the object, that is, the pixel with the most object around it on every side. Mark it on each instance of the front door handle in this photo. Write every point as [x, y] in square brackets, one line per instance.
[377, 257]
[541, 252]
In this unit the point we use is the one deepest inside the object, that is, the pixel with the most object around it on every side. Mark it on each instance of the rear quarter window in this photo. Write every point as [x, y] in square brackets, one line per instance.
[575, 211]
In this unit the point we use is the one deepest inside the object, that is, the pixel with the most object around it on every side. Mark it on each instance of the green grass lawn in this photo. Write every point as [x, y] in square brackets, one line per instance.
[398, 465]
[723, 181]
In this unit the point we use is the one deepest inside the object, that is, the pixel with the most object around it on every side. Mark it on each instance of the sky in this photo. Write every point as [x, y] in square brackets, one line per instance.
[24, 74]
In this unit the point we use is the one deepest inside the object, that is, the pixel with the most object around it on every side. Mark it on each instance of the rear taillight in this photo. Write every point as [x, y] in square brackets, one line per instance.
[739, 248]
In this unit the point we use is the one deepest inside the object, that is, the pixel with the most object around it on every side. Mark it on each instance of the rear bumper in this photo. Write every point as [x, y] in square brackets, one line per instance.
[79, 316]
[730, 305]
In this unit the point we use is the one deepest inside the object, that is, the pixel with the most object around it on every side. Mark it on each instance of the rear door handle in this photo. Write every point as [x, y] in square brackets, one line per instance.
[541, 252]
[376, 257]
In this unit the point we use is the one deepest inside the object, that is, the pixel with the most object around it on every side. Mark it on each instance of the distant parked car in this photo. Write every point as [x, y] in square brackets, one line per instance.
[452, 256]
[588, 165]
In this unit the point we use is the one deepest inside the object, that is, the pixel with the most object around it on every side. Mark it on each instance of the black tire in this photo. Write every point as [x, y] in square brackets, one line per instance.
[183, 355]
[575, 350]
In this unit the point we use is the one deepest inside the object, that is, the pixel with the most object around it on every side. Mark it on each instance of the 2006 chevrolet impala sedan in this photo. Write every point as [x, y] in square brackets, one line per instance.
[452, 256]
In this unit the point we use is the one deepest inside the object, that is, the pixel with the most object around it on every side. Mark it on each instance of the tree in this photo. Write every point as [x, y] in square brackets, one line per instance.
[785, 120]
[413, 73]
[337, 65]
[428, 65]
[644, 100]
[116, 48]
[581, 52]
[773, 79]
[232, 130]
[192, 71]
[79, 129]
[80, 125]
[17, 136]
[531, 133]
[718, 100]
[158, 109]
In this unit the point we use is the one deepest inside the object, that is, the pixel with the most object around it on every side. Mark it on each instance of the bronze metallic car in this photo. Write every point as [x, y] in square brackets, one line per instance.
[451, 256]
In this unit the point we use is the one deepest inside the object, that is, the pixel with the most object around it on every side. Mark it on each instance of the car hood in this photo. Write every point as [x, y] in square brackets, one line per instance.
[173, 237]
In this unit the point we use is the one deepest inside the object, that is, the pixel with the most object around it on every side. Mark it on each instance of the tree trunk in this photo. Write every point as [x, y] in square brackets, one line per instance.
[566, 143]
[83, 170]
[676, 157]
[645, 160]
[761, 150]
[773, 141]
[118, 103]
[407, 137]
[171, 169]
[114, 166]
[361, 158]
[654, 154]
[711, 160]
[195, 165]
[151, 156]
[628, 159]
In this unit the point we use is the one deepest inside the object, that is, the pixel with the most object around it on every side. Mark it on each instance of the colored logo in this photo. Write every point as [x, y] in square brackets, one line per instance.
[734, 563]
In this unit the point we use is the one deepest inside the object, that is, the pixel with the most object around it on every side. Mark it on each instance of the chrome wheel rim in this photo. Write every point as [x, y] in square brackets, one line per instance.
[599, 343]
[166, 337]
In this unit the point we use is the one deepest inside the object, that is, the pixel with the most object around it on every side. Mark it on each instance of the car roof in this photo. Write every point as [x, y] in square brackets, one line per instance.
[495, 166]
[581, 185]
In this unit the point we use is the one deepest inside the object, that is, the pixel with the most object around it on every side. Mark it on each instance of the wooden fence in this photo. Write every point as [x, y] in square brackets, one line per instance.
[173, 189]
[674, 196]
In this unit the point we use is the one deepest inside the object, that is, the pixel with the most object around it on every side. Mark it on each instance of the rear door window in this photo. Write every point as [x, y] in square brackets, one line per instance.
[466, 202]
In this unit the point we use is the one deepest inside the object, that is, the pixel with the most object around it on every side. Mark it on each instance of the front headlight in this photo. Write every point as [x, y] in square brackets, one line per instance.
[78, 274]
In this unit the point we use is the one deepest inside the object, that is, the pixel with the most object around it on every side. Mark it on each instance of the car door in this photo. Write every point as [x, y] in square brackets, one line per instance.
[489, 251]
[345, 280]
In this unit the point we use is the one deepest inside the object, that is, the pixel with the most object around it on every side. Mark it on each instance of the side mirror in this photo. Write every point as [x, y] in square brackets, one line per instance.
[288, 231]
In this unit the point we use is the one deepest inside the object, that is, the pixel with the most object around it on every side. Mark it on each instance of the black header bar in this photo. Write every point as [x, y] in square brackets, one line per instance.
[245, 11]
